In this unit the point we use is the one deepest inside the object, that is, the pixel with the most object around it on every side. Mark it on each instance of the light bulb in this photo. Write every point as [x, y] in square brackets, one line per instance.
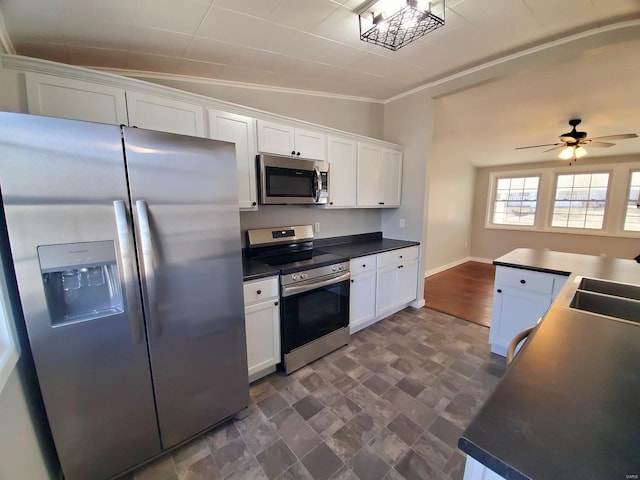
[566, 153]
[581, 152]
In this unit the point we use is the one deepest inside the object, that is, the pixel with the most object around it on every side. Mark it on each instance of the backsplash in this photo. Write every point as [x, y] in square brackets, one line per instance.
[333, 223]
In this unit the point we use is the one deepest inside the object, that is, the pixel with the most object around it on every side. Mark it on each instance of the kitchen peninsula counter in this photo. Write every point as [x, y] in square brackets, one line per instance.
[349, 247]
[568, 406]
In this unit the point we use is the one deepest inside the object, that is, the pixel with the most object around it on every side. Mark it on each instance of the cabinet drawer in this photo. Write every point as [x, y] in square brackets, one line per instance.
[396, 257]
[262, 289]
[525, 279]
[362, 264]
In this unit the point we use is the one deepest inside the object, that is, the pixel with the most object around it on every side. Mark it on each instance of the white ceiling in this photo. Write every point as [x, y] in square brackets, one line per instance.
[314, 45]
[300, 44]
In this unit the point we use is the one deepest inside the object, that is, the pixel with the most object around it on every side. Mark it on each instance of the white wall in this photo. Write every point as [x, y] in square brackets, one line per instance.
[333, 223]
[450, 184]
[409, 122]
[355, 116]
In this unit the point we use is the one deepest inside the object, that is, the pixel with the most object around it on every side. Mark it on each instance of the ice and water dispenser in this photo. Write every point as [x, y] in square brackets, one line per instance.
[81, 281]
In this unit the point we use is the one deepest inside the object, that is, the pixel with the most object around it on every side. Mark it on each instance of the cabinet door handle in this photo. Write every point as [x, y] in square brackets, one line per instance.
[298, 154]
[293, 152]
[400, 266]
[259, 292]
[351, 280]
[523, 281]
[400, 256]
[364, 265]
[380, 203]
[499, 290]
[253, 204]
[275, 303]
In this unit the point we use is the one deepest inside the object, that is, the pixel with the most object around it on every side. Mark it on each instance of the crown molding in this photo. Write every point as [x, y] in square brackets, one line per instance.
[5, 41]
[228, 83]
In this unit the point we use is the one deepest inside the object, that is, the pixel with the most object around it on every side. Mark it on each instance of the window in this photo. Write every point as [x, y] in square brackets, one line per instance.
[515, 201]
[580, 200]
[632, 215]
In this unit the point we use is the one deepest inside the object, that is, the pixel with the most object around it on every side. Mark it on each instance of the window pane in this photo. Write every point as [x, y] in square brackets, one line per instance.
[515, 201]
[580, 200]
[632, 216]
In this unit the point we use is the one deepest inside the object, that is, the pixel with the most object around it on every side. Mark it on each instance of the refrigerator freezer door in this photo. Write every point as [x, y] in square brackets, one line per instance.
[59, 180]
[184, 192]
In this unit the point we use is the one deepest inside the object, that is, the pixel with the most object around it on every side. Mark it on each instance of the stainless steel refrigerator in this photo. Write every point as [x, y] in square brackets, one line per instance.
[127, 254]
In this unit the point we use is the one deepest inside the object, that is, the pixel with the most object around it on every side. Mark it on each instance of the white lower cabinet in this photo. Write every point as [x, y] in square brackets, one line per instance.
[520, 298]
[382, 285]
[262, 320]
[362, 296]
[474, 470]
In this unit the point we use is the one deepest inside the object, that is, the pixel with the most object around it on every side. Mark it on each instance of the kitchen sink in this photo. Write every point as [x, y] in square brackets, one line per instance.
[616, 300]
[610, 288]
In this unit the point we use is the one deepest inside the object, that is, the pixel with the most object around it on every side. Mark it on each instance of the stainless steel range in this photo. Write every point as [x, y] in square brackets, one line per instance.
[314, 292]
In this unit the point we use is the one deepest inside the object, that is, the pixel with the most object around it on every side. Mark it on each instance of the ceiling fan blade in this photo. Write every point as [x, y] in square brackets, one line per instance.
[536, 146]
[554, 148]
[601, 144]
[622, 136]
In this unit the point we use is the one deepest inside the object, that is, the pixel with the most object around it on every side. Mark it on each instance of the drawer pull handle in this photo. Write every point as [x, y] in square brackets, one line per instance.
[400, 256]
[523, 281]
[499, 290]
[400, 266]
[364, 265]
[259, 292]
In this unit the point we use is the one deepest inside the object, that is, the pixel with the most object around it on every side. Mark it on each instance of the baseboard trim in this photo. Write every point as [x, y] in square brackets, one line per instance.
[419, 303]
[442, 268]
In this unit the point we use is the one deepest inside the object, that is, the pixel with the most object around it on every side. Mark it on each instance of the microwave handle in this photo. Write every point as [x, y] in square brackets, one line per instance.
[317, 184]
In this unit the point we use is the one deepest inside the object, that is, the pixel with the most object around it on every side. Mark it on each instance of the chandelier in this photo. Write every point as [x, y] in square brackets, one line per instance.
[395, 23]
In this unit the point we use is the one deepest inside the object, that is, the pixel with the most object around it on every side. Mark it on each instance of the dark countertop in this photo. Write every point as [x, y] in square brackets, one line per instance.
[369, 247]
[563, 263]
[569, 405]
[349, 247]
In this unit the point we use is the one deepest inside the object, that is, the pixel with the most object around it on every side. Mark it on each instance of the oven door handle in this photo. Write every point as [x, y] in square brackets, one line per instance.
[295, 289]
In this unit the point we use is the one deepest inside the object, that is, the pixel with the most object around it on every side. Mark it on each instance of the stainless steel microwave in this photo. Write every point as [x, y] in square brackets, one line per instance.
[284, 180]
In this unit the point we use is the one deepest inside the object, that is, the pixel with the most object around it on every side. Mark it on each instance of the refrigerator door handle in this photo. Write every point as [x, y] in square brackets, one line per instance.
[126, 254]
[148, 269]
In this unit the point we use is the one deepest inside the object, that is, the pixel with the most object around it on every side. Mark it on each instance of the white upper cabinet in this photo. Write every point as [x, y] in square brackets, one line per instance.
[379, 176]
[342, 154]
[391, 177]
[240, 130]
[286, 140]
[309, 144]
[165, 114]
[61, 97]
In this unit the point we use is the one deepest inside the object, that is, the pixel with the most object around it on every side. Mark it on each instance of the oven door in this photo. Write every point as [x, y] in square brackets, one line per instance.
[312, 310]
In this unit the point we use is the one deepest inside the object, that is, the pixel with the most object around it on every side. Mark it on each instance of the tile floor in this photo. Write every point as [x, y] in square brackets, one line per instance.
[388, 406]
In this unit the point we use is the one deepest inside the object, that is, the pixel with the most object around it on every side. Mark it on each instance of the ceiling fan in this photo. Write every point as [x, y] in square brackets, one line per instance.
[572, 143]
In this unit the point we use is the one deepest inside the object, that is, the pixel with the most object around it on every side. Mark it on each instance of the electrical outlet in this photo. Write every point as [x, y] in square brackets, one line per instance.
[402, 223]
[316, 227]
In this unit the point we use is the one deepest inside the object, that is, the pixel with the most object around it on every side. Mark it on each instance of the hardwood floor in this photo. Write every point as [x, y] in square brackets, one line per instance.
[465, 291]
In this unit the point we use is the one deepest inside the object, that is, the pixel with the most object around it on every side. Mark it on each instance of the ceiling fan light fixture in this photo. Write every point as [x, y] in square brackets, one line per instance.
[580, 152]
[566, 153]
[393, 27]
